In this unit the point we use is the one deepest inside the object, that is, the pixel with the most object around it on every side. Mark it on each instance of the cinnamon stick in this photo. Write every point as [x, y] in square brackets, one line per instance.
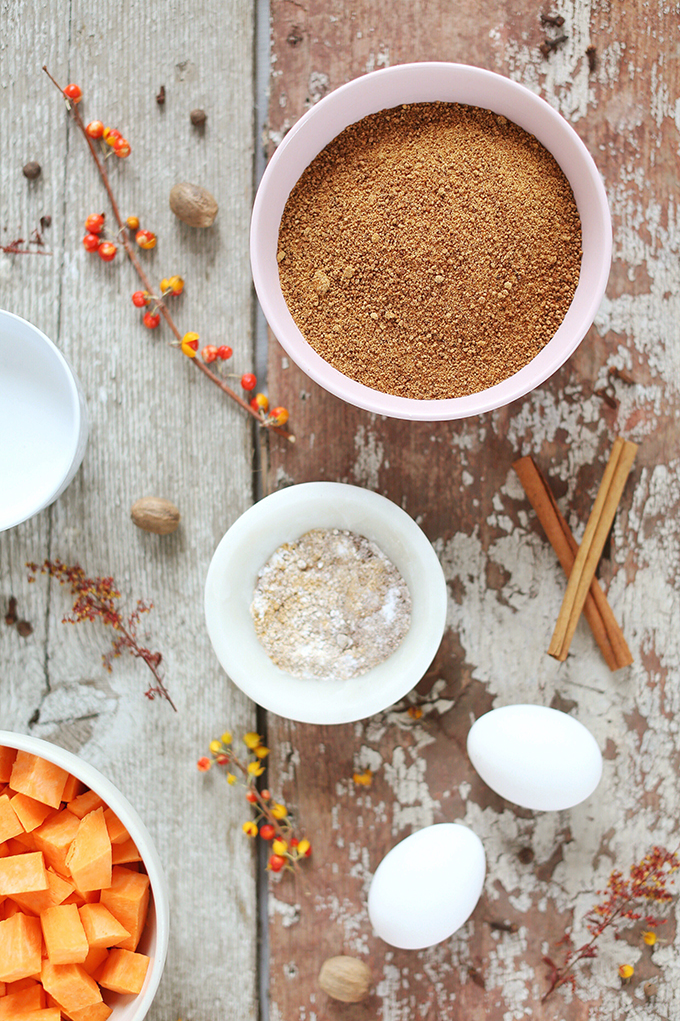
[589, 553]
[596, 610]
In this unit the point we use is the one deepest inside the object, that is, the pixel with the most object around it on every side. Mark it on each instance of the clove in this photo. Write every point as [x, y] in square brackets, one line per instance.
[591, 54]
[549, 46]
[503, 926]
[556, 20]
[160, 98]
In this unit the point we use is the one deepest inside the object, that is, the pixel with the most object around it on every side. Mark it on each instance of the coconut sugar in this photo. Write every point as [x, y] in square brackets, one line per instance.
[330, 605]
[431, 250]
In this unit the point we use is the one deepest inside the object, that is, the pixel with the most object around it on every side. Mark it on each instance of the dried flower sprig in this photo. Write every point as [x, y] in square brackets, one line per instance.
[272, 820]
[73, 95]
[96, 598]
[648, 882]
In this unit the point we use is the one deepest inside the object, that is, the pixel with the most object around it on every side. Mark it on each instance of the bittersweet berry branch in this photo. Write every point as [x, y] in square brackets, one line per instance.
[161, 306]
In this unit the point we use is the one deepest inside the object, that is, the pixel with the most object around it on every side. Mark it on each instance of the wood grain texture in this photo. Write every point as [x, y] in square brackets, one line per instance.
[157, 427]
[505, 587]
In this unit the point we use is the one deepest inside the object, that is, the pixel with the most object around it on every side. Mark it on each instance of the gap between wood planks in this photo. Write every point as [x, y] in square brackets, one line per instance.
[261, 72]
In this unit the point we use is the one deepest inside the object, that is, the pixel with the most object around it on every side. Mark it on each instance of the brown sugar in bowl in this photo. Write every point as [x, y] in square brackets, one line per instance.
[430, 395]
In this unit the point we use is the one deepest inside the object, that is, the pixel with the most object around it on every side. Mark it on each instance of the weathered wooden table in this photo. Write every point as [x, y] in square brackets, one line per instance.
[159, 427]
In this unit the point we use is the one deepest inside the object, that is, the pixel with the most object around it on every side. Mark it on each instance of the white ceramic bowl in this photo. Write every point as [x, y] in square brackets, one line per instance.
[43, 421]
[154, 941]
[419, 83]
[283, 517]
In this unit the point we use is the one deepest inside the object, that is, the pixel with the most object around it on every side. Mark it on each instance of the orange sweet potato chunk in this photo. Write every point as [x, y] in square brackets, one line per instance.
[64, 934]
[117, 832]
[122, 854]
[47, 1014]
[70, 985]
[21, 873]
[128, 900]
[89, 857]
[7, 757]
[31, 813]
[85, 803]
[97, 1012]
[101, 928]
[10, 824]
[58, 890]
[95, 959]
[38, 779]
[20, 947]
[30, 998]
[73, 788]
[124, 971]
[54, 839]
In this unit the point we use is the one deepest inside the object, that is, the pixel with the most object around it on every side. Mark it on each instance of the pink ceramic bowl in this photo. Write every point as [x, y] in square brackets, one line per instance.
[419, 83]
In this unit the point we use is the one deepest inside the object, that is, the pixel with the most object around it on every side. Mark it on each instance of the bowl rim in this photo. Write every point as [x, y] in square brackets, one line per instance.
[116, 800]
[79, 420]
[319, 120]
[284, 516]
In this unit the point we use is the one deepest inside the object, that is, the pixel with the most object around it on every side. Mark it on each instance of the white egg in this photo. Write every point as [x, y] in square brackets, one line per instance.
[536, 757]
[427, 886]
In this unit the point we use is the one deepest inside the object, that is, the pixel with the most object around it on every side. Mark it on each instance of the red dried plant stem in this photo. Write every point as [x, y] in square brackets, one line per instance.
[162, 307]
[261, 803]
[142, 654]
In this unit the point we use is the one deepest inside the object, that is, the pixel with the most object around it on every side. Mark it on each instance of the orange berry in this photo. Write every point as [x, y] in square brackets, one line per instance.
[121, 147]
[189, 344]
[279, 416]
[74, 93]
[145, 239]
[260, 402]
[209, 354]
[132, 223]
[95, 129]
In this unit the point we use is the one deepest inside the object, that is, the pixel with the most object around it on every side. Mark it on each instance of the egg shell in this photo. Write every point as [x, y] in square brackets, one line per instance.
[427, 886]
[536, 757]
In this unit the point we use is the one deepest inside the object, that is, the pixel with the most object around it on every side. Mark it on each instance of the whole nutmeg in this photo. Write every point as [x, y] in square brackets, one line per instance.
[198, 118]
[32, 170]
[154, 514]
[345, 978]
[193, 205]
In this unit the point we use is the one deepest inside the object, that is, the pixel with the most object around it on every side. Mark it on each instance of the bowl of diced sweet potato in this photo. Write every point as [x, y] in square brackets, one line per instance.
[84, 913]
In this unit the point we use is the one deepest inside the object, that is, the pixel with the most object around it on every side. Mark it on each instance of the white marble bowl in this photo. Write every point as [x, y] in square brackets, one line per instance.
[284, 517]
[424, 83]
[43, 421]
[154, 941]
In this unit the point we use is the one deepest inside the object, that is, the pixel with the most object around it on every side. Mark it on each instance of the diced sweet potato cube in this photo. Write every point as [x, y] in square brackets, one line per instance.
[21, 873]
[54, 839]
[124, 971]
[30, 998]
[8, 908]
[73, 788]
[125, 853]
[128, 900]
[117, 832]
[22, 983]
[95, 959]
[97, 1012]
[64, 934]
[70, 985]
[78, 898]
[85, 803]
[31, 813]
[89, 857]
[38, 778]
[20, 947]
[7, 757]
[101, 928]
[10, 824]
[4, 849]
[58, 890]
[25, 840]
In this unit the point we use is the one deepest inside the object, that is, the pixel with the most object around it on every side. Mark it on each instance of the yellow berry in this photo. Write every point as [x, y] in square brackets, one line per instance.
[261, 751]
[649, 938]
[189, 344]
[165, 285]
[250, 829]
[279, 811]
[132, 223]
[231, 779]
[226, 737]
[626, 971]
[251, 740]
[279, 846]
[176, 284]
[215, 746]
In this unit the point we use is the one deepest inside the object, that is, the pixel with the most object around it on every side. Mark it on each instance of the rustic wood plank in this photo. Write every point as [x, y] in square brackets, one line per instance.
[504, 582]
[157, 427]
